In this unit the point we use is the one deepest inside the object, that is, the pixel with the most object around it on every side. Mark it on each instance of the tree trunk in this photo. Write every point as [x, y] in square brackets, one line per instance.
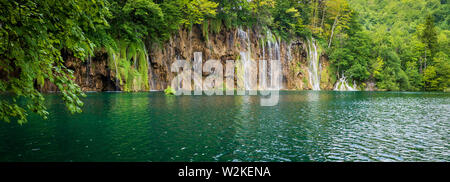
[420, 66]
[332, 30]
[425, 67]
[323, 17]
[313, 22]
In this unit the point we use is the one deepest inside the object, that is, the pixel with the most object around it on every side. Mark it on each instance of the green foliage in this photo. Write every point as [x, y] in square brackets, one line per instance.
[377, 67]
[135, 23]
[131, 65]
[216, 25]
[234, 13]
[205, 30]
[169, 91]
[134, 20]
[196, 11]
[352, 56]
[429, 36]
[402, 45]
[261, 10]
[429, 78]
[287, 20]
[406, 36]
[186, 13]
[415, 78]
[33, 33]
[437, 76]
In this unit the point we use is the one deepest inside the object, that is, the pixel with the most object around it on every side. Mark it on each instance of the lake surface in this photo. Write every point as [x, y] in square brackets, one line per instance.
[304, 126]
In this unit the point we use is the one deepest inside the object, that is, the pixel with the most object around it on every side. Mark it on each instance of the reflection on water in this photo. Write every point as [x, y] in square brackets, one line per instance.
[304, 126]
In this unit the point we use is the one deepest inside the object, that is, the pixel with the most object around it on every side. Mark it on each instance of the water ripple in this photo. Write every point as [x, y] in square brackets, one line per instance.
[304, 126]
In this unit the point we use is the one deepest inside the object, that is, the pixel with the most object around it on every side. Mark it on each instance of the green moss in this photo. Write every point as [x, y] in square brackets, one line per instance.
[350, 82]
[305, 82]
[324, 75]
[124, 60]
[328, 75]
[362, 86]
[239, 68]
[332, 75]
[298, 68]
[216, 25]
[205, 30]
[169, 91]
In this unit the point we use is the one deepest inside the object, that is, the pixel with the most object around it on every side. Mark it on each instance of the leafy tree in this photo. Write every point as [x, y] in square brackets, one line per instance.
[196, 11]
[233, 13]
[287, 19]
[261, 10]
[405, 39]
[352, 53]
[429, 37]
[415, 79]
[390, 42]
[377, 67]
[437, 76]
[33, 34]
[340, 13]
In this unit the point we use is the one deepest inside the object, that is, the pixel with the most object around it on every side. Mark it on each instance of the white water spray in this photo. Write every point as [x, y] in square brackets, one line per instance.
[274, 53]
[313, 69]
[246, 60]
[342, 85]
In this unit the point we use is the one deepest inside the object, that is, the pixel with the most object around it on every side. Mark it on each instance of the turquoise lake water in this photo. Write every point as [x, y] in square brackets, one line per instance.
[303, 126]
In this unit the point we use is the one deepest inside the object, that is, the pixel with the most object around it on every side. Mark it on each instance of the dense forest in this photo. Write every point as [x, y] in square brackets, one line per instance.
[397, 45]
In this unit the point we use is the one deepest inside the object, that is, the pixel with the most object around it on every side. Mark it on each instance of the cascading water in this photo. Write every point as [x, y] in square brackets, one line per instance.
[313, 69]
[117, 72]
[289, 55]
[269, 46]
[88, 69]
[263, 52]
[151, 80]
[246, 59]
[342, 85]
[197, 66]
[274, 53]
[151, 77]
[276, 49]
[262, 69]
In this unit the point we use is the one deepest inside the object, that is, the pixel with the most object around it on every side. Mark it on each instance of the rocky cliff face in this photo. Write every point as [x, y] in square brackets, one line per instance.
[94, 74]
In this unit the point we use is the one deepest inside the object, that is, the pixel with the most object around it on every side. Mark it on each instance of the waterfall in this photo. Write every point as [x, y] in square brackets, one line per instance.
[273, 46]
[263, 52]
[151, 80]
[151, 75]
[269, 44]
[117, 72]
[289, 55]
[277, 51]
[342, 85]
[250, 67]
[246, 59]
[197, 74]
[88, 70]
[263, 69]
[313, 69]
[269, 47]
